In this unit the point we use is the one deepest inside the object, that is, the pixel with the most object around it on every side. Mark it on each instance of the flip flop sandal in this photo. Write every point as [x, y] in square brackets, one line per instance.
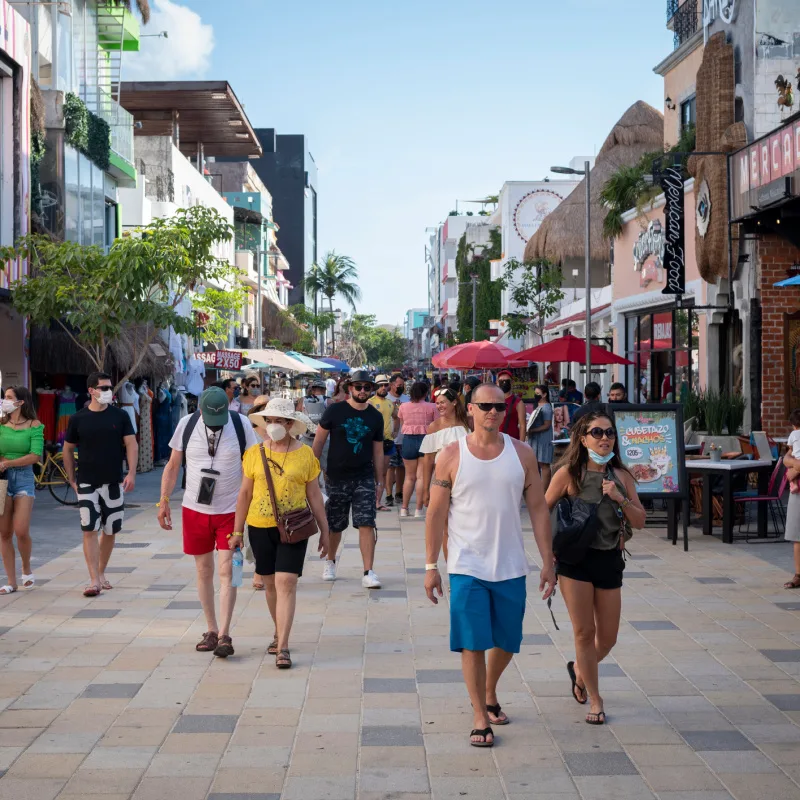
[224, 648]
[208, 643]
[7, 589]
[105, 585]
[259, 587]
[496, 711]
[273, 646]
[91, 591]
[596, 719]
[574, 678]
[283, 660]
[482, 732]
[794, 583]
[28, 581]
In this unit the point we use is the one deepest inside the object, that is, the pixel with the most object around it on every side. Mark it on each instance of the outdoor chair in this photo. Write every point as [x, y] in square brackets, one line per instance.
[773, 498]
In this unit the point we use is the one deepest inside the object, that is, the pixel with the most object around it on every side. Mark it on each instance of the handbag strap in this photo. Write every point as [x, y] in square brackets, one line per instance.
[270, 485]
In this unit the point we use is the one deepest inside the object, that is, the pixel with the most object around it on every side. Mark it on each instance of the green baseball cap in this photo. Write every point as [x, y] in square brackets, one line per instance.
[214, 406]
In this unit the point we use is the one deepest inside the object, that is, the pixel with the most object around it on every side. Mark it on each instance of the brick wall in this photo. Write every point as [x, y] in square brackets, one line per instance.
[775, 256]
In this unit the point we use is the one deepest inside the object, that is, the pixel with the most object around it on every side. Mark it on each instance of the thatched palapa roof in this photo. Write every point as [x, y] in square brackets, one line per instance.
[561, 235]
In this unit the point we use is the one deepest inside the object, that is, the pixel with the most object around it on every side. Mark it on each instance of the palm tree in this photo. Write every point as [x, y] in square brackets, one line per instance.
[142, 5]
[336, 275]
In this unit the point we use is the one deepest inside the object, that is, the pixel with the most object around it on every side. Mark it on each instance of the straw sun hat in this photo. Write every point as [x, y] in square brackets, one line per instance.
[282, 408]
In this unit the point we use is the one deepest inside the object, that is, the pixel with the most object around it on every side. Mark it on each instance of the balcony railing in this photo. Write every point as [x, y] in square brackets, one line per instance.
[685, 20]
[119, 120]
[672, 8]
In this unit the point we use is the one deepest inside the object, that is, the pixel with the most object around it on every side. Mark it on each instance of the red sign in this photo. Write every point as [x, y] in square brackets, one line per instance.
[662, 331]
[222, 359]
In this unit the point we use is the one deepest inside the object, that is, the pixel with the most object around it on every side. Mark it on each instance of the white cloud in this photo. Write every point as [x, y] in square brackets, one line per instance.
[186, 53]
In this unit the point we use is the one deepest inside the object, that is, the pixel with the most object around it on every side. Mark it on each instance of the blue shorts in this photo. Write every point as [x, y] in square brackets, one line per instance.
[411, 444]
[21, 482]
[486, 614]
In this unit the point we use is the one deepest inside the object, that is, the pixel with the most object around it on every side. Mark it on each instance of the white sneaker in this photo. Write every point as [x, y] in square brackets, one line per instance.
[403, 512]
[419, 513]
[371, 581]
[329, 573]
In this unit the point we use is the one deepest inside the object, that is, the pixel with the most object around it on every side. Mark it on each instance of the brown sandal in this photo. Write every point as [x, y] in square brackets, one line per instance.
[92, 590]
[208, 643]
[273, 646]
[283, 660]
[224, 648]
[794, 583]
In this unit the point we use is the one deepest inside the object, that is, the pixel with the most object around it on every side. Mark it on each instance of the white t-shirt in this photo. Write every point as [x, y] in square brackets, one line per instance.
[793, 442]
[330, 387]
[227, 461]
[195, 372]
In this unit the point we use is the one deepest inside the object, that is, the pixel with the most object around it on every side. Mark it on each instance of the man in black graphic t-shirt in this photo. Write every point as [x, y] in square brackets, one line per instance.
[103, 435]
[355, 460]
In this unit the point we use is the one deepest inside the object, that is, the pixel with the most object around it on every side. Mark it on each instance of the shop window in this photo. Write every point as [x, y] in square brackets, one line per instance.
[738, 110]
[688, 112]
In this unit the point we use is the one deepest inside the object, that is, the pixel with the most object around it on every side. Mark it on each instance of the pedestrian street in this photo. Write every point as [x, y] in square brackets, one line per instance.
[107, 698]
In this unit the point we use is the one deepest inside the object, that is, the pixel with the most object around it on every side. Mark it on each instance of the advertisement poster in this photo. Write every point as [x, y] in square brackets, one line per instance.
[651, 447]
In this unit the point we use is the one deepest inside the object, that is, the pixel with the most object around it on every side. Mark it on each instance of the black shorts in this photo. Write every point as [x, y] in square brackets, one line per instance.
[602, 568]
[347, 493]
[272, 555]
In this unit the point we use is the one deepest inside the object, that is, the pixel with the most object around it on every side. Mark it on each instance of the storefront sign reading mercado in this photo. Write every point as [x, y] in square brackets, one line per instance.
[532, 209]
[648, 254]
[726, 10]
[674, 249]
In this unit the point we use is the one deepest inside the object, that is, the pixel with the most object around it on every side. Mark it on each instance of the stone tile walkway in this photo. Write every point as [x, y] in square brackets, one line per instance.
[107, 698]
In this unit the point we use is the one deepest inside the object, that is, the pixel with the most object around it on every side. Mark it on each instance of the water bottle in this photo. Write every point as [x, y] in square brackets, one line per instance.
[237, 564]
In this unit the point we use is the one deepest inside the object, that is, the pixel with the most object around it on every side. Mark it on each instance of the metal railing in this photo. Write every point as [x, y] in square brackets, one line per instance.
[672, 8]
[119, 120]
[686, 21]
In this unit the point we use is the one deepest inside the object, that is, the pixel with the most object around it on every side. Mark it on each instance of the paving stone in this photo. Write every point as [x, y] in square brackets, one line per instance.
[784, 702]
[120, 570]
[536, 638]
[416, 570]
[132, 545]
[115, 690]
[390, 735]
[165, 556]
[244, 796]
[618, 787]
[789, 606]
[610, 671]
[654, 625]
[717, 740]
[738, 761]
[166, 587]
[330, 788]
[184, 605]
[600, 764]
[96, 613]
[637, 575]
[440, 676]
[645, 557]
[206, 723]
[4, 630]
[714, 580]
[394, 779]
[782, 656]
[390, 685]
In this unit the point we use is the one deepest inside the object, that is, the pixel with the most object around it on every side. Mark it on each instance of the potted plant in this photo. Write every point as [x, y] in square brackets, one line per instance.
[715, 452]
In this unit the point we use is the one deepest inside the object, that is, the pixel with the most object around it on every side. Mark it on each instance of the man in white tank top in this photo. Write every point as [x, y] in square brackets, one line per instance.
[477, 487]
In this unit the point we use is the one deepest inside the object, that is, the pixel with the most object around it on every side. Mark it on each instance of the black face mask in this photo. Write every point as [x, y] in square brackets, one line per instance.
[505, 385]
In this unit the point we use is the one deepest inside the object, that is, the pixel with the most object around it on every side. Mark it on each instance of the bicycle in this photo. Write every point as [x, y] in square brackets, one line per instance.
[52, 475]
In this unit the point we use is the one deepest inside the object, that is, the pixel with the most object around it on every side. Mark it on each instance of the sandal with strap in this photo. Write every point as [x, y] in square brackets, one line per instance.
[598, 718]
[794, 583]
[485, 733]
[92, 590]
[273, 646]
[574, 678]
[496, 711]
[224, 647]
[208, 643]
[28, 581]
[7, 589]
[105, 586]
[283, 660]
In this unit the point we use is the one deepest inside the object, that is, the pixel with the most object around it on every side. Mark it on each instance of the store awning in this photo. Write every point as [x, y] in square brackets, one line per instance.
[312, 362]
[336, 364]
[274, 359]
[793, 281]
[579, 317]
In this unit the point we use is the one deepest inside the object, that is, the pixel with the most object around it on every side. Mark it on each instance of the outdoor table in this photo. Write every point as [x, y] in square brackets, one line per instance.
[692, 448]
[558, 442]
[725, 469]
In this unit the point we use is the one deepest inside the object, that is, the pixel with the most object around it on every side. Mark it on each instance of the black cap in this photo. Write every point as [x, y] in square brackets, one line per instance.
[472, 381]
[360, 376]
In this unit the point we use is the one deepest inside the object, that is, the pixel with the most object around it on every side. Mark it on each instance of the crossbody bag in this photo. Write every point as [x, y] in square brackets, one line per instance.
[293, 526]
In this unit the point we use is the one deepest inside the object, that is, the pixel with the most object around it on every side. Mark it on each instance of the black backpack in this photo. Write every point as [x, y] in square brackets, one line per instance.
[192, 423]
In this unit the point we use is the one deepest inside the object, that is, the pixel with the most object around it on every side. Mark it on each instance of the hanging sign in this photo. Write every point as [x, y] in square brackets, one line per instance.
[674, 249]
[222, 359]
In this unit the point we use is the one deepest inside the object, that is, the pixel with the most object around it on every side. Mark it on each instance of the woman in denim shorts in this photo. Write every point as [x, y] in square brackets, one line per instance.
[21, 446]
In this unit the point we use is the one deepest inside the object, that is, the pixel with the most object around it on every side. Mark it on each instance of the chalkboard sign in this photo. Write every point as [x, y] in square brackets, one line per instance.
[651, 446]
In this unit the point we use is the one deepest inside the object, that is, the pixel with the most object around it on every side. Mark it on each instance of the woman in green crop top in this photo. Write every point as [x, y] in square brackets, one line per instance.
[21, 446]
[593, 471]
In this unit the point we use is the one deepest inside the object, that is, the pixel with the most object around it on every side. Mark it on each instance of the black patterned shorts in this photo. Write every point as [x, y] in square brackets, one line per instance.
[347, 493]
[101, 507]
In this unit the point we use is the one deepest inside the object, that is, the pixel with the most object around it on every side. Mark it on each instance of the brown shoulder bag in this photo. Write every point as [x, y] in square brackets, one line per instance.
[293, 526]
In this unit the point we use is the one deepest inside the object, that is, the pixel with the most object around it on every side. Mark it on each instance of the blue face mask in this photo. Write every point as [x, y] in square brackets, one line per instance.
[598, 459]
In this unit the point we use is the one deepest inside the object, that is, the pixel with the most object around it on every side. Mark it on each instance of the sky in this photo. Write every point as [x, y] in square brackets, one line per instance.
[408, 107]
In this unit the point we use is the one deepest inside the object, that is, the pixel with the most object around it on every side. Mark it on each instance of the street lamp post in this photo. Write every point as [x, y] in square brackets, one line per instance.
[586, 171]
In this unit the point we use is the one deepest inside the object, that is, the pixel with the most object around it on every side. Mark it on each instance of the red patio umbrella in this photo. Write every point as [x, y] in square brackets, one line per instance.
[572, 349]
[477, 355]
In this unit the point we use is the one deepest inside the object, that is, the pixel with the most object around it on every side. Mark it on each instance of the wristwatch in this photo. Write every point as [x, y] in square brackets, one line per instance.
[429, 567]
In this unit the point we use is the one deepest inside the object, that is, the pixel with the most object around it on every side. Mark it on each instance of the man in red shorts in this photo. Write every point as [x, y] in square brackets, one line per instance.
[213, 440]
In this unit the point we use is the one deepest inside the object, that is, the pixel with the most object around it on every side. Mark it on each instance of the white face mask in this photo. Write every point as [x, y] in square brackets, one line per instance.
[105, 397]
[8, 406]
[276, 431]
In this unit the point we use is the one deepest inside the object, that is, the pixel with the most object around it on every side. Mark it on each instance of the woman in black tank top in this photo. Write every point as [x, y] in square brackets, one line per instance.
[593, 471]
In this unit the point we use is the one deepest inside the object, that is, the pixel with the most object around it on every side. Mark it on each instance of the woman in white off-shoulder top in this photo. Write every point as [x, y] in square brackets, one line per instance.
[452, 425]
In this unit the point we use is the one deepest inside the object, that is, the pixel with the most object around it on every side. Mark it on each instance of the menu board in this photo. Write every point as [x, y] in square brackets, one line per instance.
[651, 447]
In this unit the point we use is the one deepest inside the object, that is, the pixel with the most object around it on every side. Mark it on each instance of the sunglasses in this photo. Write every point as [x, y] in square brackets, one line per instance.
[498, 407]
[599, 433]
[211, 438]
[362, 387]
[445, 393]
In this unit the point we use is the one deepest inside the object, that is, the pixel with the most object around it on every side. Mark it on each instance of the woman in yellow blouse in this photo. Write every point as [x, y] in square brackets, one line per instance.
[294, 469]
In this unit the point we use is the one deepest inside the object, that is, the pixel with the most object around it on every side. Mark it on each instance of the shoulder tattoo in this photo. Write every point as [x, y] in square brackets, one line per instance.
[445, 484]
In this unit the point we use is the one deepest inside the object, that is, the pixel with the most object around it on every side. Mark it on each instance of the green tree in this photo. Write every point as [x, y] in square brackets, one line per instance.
[487, 294]
[142, 281]
[336, 275]
[537, 288]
